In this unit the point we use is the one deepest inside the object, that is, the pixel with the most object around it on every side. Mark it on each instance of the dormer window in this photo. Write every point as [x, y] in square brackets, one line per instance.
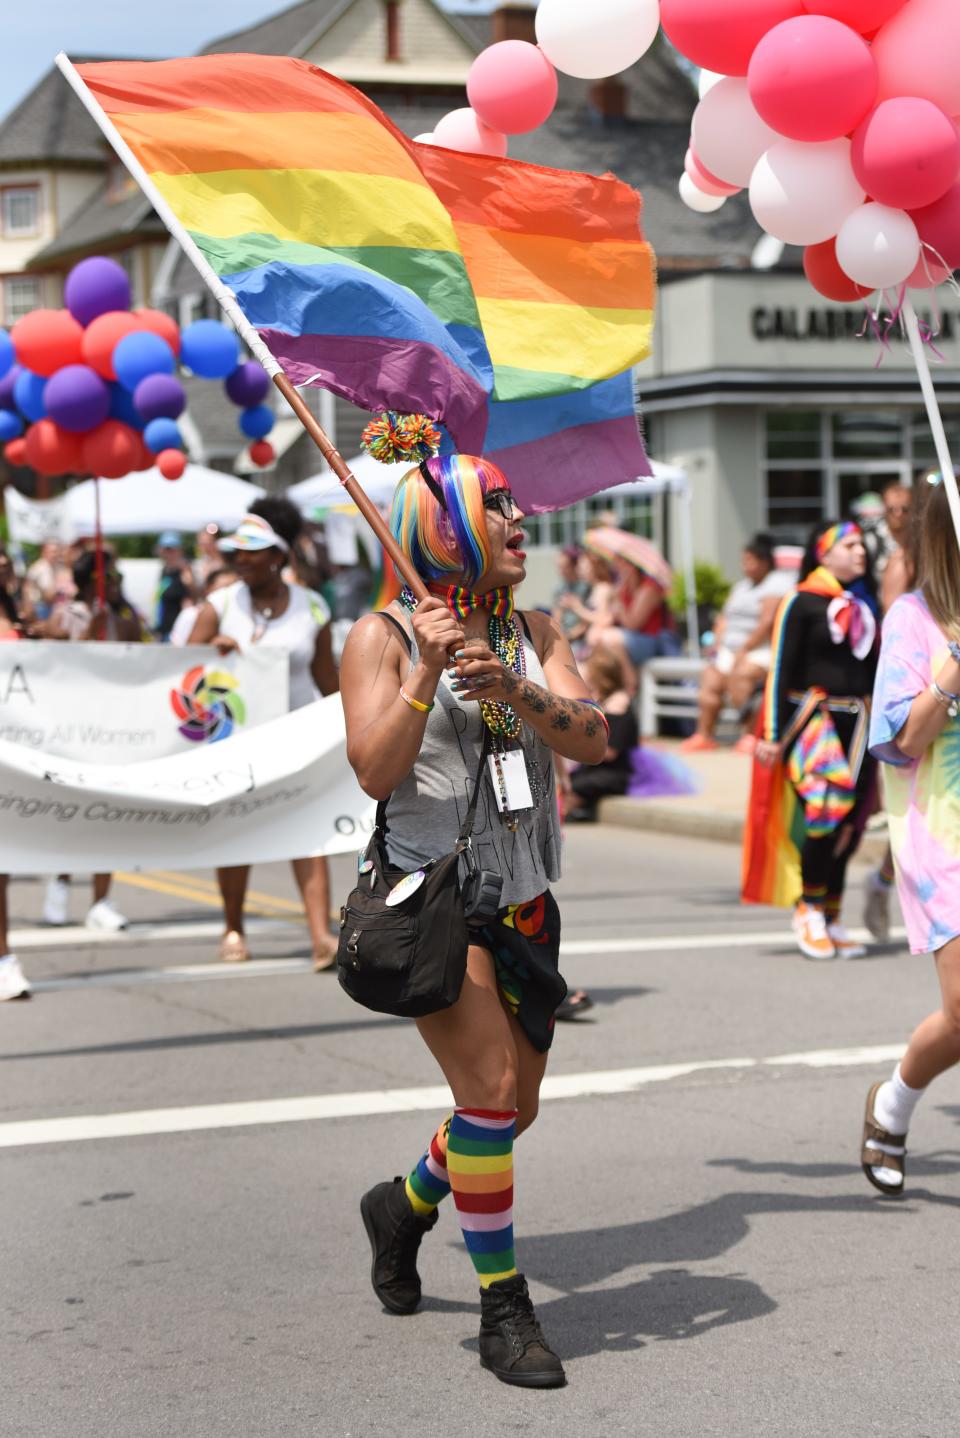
[21, 211]
[393, 29]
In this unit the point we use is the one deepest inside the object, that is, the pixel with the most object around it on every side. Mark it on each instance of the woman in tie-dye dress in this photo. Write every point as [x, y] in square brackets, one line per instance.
[915, 730]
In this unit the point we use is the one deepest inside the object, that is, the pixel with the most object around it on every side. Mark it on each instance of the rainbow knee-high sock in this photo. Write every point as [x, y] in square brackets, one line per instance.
[428, 1184]
[480, 1167]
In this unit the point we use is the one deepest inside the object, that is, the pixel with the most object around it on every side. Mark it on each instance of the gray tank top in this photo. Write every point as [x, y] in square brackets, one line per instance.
[425, 812]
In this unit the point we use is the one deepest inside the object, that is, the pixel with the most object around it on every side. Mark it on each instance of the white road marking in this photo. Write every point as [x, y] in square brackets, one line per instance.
[383, 1101]
[263, 968]
[78, 936]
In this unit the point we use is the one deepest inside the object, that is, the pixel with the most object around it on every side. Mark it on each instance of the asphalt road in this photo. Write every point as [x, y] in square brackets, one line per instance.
[181, 1254]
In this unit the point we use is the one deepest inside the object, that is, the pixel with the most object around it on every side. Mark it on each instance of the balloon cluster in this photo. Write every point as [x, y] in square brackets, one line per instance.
[841, 116]
[93, 388]
[512, 85]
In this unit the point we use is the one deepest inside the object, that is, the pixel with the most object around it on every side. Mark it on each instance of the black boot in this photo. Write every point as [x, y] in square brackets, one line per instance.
[511, 1343]
[394, 1231]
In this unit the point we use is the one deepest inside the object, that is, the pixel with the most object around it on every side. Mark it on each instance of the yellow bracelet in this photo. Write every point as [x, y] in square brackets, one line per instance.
[414, 703]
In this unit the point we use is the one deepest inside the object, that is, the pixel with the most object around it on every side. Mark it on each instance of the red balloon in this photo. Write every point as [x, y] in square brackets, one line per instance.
[722, 37]
[171, 463]
[262, 452]
[15, 451]
[864, 15]
[111, 450]
[822, 269]
[101, 338]
[938, 226]
[46, 340]
[159, 324]
[52, 450]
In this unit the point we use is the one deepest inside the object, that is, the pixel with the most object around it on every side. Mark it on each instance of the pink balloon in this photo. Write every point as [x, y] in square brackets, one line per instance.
[703, 179]
[802, 194]
[728, 136]
[464, 130]
[928, 274]
[864, 15]
[907, 153]
[723, 36]
[512, 86]
[916, 53]
[812, 79]
[939, 226]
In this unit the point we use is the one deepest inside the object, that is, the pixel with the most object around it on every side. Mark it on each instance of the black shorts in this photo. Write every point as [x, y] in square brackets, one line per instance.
[524, 940]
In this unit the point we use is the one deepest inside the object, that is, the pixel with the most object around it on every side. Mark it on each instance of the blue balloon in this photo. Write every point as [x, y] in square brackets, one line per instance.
[122, 407]
[7, 353]
[28, 393]
[140, 354]
[161, 434]
[257, 422]
[210, 349]
[11, 425]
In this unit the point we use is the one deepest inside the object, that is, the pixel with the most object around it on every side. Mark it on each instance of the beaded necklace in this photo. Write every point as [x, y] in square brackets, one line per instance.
[506, 641]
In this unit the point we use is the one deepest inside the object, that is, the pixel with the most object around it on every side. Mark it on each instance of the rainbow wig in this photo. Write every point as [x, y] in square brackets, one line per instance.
[441, 541]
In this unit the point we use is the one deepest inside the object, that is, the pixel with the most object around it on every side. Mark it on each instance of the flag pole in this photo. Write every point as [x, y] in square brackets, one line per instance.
[228, 302]
[918, 350]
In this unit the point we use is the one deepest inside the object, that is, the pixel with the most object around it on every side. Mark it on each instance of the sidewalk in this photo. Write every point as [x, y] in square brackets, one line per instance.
[717, 812]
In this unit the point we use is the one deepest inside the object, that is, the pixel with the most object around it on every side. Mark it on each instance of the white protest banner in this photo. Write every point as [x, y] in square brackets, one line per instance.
[281, 791]
[123, 703]
[35, 521]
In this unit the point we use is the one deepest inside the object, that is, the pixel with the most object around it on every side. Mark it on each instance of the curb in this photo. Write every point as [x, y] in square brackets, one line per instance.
[695, 822]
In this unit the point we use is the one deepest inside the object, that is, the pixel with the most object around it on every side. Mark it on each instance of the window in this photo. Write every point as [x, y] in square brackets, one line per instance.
[20, 296]
[21, 210]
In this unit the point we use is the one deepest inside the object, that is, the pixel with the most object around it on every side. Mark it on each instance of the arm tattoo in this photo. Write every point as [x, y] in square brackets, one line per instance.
[509, 681]
[591, 727]
[561, 720]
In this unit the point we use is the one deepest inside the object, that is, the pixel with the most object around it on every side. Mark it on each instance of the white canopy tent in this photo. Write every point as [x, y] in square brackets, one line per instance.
[147, 503]
[324, 492]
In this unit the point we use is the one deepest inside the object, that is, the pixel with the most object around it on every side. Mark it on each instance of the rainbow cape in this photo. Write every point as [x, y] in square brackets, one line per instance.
[506, 301]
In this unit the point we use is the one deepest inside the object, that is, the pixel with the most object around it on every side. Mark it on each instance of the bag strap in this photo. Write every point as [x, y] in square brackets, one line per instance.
[401, 630]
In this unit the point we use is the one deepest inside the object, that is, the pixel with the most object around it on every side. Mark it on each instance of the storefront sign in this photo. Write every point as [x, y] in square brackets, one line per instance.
[812, 323]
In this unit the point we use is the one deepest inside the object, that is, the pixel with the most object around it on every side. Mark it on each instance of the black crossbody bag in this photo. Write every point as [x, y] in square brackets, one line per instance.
[410, 958]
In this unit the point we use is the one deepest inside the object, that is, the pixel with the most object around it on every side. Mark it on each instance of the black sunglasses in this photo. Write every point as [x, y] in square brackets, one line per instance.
[500, 499]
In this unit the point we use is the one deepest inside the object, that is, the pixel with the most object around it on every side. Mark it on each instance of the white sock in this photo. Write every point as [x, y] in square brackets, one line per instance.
[893, 1109]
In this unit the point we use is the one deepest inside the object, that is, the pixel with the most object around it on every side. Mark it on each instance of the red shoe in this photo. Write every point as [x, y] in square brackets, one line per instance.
[698, 744]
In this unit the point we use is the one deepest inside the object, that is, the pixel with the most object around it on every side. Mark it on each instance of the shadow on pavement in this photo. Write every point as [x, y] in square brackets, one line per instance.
[190, 1041]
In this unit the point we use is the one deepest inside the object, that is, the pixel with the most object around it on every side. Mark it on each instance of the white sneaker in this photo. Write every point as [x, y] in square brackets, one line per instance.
[56, 902]
[810, 927]
[104, 916]
[846, 947]
[13, 984]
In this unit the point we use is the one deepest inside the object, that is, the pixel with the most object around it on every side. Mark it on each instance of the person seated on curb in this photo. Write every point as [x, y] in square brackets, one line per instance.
[605, 678]
[742, 655]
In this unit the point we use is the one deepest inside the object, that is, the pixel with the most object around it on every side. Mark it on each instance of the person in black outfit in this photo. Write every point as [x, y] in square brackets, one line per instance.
[815, 720]
[590, 783]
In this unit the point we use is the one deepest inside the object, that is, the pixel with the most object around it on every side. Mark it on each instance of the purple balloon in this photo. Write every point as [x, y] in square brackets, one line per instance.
[7, 400]
[77, 399]
[248, 384]
[94, 287]
[160, 396]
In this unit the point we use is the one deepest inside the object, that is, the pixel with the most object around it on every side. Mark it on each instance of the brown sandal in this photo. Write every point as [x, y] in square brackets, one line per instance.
[874, 1158]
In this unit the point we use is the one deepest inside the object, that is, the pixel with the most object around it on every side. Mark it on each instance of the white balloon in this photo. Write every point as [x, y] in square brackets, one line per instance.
[802, 193]
[596, 39]
[878, 246]
[708, 78]
[695, 199]
[728, 134]
[428, 139]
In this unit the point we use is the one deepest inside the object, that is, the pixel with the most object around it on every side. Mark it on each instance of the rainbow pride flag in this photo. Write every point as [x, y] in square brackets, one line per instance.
[506, 301]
